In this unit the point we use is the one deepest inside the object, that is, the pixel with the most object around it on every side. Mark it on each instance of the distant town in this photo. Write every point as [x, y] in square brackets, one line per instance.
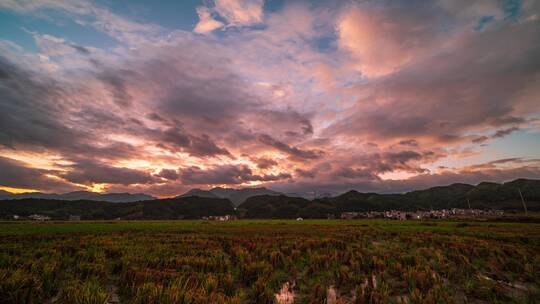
[453, 213]
[418, 215]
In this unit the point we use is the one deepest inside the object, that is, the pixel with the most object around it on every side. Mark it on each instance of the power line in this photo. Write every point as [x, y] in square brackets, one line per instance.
[522, 201]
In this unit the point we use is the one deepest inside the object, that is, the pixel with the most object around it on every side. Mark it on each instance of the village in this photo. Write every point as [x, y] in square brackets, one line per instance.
[418, 215]
[391, 215]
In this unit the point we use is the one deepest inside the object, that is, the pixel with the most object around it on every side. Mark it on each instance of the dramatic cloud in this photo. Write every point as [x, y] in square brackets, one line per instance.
[265, 163]
[194, 145]
[382, 40]
[225, 175]
[240, 12]
[234, 13]
[88, 172]
[296, 96]
[31, 108]
[499, 134]
[292, 151]
[18, 175]
[206, 23]
[169, 174]
[442, 98]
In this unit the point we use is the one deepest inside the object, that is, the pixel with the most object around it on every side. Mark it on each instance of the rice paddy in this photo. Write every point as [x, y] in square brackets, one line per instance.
[365, 261]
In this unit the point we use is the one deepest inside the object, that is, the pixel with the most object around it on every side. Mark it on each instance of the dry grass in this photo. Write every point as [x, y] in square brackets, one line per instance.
[251, 262]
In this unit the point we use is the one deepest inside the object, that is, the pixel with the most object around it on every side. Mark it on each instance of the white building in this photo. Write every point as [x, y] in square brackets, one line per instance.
[39, 217]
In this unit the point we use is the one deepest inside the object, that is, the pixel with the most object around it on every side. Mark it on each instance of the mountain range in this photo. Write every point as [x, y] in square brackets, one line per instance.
[79, 195]
[236, 196]
[157, 209]
[264, 203]
[485, 195]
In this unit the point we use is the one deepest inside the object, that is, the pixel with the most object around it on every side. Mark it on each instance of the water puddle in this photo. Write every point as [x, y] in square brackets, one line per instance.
[286, 294]
[113, 295]
[331, 295]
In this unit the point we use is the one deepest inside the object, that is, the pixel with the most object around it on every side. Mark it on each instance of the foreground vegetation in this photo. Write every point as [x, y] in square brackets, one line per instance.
[251, 261]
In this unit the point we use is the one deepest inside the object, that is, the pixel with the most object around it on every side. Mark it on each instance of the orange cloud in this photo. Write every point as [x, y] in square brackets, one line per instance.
[380, 41]
[16, 190]
[206, 23]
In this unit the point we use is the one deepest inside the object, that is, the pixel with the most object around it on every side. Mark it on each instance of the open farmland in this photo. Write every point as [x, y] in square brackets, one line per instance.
[323, 261]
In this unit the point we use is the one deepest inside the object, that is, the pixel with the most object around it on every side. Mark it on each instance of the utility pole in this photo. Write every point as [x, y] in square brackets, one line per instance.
[522, 201]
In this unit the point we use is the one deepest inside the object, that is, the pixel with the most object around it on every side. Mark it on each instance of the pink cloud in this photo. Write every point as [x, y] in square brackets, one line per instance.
[206, 23]
[327, 95]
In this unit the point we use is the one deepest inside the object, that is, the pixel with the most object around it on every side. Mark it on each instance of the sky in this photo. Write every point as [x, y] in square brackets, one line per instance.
[296, 96]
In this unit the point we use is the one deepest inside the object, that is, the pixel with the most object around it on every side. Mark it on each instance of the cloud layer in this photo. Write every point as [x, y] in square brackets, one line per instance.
[370, 96]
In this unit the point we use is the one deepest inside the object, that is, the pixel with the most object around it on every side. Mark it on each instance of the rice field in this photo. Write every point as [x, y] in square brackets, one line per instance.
[278, 261]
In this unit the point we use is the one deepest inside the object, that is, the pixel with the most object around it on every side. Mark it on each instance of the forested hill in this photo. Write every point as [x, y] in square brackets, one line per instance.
[482, 196]
[177, 208]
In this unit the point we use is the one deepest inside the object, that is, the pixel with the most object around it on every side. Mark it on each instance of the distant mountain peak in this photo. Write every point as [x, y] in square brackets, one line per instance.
[198, 193]
[82, 195]
[236, 196]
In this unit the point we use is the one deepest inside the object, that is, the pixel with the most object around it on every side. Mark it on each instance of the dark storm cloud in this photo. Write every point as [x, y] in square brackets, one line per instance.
[116, 82]
[176, 137]
[306, 173]
[89, 172]
[307, 126]
[35, 114]
[30, 109]
[4, 73]
[200, 146]
[169, 174]
[504, 132]
[287, 122]
[315, 171]
[357, 174]
[294, 152]
[393, 161]
[204, 146]
[498, 134]
[264, 163]
[17, 175]
[402, 157]
[225, 174]
[80, 49]
[480, 139]
[195, 88]
[409, 142]
[154, 116]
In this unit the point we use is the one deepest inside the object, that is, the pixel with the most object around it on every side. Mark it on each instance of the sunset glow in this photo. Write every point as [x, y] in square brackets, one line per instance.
[16, 190]
[290, 95]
